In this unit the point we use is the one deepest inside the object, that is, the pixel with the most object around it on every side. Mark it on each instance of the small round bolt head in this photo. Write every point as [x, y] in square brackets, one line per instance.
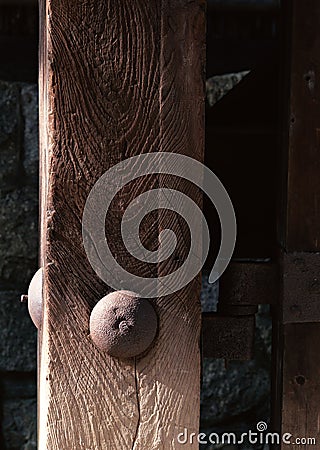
[35, 298]
[123, 324]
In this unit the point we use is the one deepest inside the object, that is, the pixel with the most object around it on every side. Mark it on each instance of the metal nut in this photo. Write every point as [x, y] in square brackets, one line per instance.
[123, 324]
[35, 298]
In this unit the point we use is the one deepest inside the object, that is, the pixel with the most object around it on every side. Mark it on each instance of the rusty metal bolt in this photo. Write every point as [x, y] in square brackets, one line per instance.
[123, 324]
[35, 298]
[24, 298]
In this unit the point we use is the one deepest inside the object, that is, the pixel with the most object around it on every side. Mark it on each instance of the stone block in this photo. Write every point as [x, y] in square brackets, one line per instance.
[18, 343]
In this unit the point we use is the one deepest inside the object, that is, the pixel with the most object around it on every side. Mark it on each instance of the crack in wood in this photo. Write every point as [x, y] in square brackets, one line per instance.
[138, 404]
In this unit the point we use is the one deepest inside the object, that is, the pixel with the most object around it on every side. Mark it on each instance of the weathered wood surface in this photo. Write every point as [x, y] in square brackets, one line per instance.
[228, 337]
[301, 199]
[118, 79]
[296, 361]
[249, 283]
[243, 286]
[43, 67]
[301, 383]
[300, 287]
[296, 328]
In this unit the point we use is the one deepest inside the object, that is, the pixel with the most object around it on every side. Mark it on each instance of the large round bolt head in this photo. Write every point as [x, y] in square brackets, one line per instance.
[123, 324]
[35, 298]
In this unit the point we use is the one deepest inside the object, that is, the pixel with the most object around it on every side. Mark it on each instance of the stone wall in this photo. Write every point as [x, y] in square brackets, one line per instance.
[18, 262]
[233, 398]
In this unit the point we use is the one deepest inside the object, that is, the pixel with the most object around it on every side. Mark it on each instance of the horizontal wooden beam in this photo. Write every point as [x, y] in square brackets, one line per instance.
[248, 283]
[227, 337]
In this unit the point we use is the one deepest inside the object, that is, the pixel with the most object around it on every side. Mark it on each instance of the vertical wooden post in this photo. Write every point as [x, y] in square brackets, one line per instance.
[117, 79]
[297, 329]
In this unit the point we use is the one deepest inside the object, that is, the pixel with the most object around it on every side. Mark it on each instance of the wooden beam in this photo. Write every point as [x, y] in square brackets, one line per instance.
[118, 79]
[296, 317]
[249, 283]
[295, 402]
[296, 330]
[228, 337]
[300, 287]
[299, 228]
[244, 285]
[301, 383]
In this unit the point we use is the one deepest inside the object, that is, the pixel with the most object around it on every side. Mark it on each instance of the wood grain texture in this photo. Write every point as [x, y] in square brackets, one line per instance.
[227, 337]
[249, 284]
[296, 361]
[301, 385]
[300, 287]
[43, 67]
[118, 79]
[301, 194]
[181, 131]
